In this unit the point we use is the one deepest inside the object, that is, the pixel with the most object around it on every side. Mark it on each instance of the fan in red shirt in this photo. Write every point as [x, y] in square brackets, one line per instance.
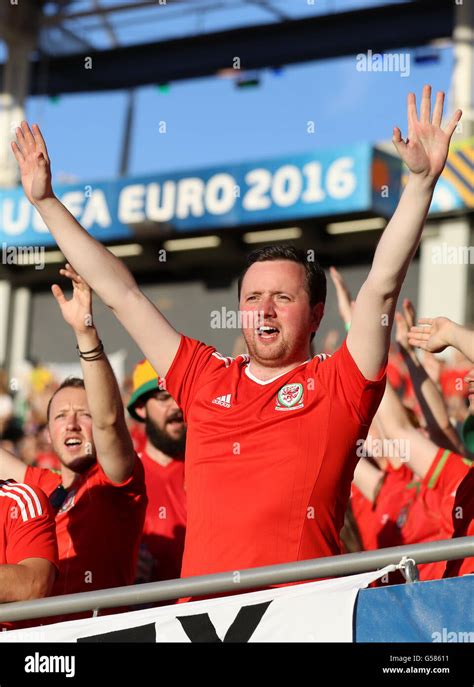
[378, 493]
[435, 335]
[28, 548]
[271, 437]
[264, 449]
[99, 496]
[438, 511]
[162, 455]
[430, 514]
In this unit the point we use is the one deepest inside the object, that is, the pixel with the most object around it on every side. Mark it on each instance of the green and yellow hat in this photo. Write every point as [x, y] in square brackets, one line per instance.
[145, 379]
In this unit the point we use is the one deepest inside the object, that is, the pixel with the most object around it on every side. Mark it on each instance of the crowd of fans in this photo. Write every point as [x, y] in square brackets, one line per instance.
[414, 480]
[289, 455]
[396, 497]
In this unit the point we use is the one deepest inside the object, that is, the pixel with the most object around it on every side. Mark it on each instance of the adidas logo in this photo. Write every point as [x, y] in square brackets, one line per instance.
[223, 400]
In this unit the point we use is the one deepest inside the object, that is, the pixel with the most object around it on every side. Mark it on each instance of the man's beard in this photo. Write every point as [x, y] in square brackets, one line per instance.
[160, 439]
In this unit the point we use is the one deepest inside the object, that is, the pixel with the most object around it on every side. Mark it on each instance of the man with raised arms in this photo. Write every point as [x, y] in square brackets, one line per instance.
[271, 442]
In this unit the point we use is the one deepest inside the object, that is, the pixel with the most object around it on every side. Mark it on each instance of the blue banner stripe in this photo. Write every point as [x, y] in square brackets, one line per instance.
[433, 612]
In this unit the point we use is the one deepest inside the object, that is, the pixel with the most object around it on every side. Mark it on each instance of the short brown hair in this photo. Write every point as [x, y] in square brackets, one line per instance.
[315, 276]
[73, 382]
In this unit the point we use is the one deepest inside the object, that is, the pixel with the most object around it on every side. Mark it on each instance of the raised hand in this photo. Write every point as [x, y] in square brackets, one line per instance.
[432, 335]
[426, 148]
[31, 154]
[77, 312]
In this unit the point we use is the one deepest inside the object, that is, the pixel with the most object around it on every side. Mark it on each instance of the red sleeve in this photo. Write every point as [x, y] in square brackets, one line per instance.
[193, 364]
[31, 530]
[133, 486]
[343, 379]
[451, 476]
[447, 471]
[45, 479]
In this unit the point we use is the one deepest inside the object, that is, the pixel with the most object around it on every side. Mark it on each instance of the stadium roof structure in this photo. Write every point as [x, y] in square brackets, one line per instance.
[159, 41]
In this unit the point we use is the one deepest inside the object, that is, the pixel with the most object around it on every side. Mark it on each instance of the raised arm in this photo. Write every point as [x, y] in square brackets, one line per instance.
[106, 274]
[425, 153]
[419, 452]
[368, 479]
[436, 334]
[112, 440]
[427, 393]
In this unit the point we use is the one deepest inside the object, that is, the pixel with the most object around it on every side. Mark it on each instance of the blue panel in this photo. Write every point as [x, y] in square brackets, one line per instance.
[281, 189]
[435, 611]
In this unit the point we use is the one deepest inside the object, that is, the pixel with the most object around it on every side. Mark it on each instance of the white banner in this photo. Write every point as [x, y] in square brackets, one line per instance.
[309, 612]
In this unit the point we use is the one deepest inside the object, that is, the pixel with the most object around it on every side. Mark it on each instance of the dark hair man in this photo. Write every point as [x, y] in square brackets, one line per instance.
[162, 543]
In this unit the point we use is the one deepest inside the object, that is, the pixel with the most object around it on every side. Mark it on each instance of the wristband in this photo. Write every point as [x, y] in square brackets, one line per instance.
[94, 354]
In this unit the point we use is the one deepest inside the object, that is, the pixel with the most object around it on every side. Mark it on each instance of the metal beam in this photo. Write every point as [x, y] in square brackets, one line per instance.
[347, 33]
[264, 5]
[69, 34]
[106, 25]
[54, 19]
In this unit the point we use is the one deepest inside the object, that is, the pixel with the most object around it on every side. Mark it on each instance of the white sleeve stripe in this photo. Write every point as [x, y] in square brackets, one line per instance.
[227, 360]
[26, 498]
[25, 491]
[19, 501]
[34, 495]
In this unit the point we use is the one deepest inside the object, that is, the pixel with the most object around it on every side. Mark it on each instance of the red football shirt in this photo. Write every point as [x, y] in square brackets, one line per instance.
[269, 464]
[377, 522]
[396, 491]
[26, 526]
[429, 516]
[165, 519]
[98, 528]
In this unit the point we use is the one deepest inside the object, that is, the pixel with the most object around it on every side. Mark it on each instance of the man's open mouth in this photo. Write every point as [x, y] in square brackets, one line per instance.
[73, 442]
[175, 420]
[267, 332]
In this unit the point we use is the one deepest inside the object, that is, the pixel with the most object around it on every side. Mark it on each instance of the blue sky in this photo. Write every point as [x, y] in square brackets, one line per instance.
[210, 121]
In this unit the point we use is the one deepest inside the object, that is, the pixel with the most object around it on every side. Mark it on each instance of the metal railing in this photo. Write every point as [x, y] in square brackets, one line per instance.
[208, 585]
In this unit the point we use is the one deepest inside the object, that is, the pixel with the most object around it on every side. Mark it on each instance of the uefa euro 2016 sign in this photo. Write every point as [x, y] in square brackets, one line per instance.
[327, 182]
